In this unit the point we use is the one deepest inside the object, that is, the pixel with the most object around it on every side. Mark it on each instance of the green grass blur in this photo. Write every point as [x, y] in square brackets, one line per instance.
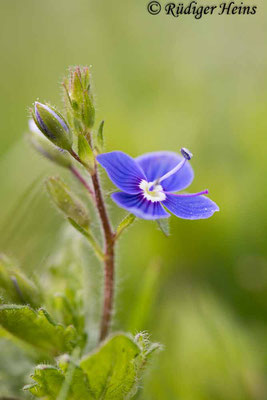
[161, 83]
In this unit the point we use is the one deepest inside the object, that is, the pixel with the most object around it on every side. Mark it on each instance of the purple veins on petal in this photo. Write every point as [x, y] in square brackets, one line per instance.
[139, 206]
[157, 164]
[194, 206]
[123, 171]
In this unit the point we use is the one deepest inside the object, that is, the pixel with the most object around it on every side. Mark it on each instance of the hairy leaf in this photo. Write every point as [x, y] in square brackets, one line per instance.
[37, 329]
[111, 372]
[111, 369]
[51, 381]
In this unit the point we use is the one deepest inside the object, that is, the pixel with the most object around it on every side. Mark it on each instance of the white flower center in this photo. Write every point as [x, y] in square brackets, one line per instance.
[156, 194]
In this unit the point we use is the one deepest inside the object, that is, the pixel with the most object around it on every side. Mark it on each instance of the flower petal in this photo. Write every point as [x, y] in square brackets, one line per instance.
[123, 170]
[157, 164]
[190, 206]
[139, 206]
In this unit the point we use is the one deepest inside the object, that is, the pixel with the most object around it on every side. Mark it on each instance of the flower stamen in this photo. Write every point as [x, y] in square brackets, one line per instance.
[187, 156]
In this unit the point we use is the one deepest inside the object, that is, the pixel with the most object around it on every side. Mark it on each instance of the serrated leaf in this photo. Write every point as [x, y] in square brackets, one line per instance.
[125, 223]
[49, 380]
[85, 152]
[111, 369]
[164, 226]
[76, 385]
[37, 329]
[52, 381]
[111, 372]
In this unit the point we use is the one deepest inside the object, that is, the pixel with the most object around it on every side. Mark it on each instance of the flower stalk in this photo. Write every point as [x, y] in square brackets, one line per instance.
[109, 245]
[109, 263]
[109, 241]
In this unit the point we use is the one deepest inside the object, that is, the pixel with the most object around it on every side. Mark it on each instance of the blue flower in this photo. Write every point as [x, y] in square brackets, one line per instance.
[148, 182]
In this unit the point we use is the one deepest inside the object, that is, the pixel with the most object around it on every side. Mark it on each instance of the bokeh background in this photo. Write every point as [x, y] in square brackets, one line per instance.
[160, 83]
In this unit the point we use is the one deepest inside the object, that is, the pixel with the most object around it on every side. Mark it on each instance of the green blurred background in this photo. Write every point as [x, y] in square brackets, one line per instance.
[161, 83]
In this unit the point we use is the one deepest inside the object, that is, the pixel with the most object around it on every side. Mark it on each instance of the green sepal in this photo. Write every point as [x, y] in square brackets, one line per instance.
[88, 110]
[37, 328]
[100, 137]
[76, 89]
[86, 153]
[79, 94]
[67, 202]
[164, 226]
[125, 223]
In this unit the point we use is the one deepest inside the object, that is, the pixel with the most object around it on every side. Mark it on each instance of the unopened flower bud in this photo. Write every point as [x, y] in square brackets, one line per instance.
[67, 202]
[46, 148]
[80, 96]
[52, 125]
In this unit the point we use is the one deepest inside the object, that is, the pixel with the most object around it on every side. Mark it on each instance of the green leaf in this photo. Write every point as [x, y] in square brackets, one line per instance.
[67, 202]
[85, 153]
[37, 329]
[164, 226]
[111, 369]
[112, 372]
[49, 380]
[15, 286]
[125, 223]
[52, 381]
[100, 137]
